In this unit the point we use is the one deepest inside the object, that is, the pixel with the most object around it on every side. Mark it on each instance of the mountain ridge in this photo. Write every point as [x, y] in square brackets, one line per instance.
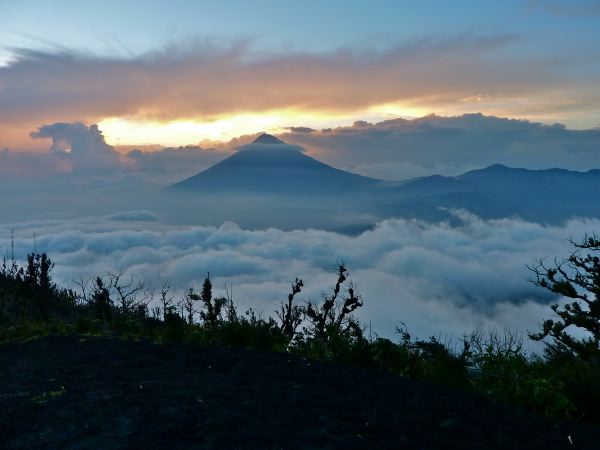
[277, 179]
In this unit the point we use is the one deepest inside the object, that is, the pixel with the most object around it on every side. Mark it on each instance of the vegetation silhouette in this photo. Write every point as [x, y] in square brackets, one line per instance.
[565, 383]
[577, 277]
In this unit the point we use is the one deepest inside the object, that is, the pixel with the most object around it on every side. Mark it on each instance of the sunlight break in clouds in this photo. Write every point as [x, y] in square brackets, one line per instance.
[433, 277]
[123, 131]
[200, 90]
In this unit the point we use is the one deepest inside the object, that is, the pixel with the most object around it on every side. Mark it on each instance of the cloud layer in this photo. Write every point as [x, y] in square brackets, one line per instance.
[400, 149]
[203, 79]
[394, 149]
[84, 147]
[79, 151]
[433, 277]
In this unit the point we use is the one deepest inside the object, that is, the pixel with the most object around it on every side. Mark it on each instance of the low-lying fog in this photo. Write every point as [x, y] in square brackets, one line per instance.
[439, 279]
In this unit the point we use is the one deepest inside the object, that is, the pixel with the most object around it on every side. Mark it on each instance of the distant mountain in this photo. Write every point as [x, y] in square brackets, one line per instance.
[498, 191]
[269, 165]
[269, 180]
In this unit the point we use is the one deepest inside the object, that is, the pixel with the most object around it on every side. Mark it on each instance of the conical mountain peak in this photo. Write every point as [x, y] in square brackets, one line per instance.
[266, 138]
[277, 168]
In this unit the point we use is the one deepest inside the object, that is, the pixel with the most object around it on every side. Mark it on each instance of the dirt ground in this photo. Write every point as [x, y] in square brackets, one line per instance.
[74, 393]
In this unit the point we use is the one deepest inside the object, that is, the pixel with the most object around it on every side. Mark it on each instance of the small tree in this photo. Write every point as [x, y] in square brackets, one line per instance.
[126, 291]
[100, 301]
[37, 277]
[212, 308]
[187, 306]
[334, 316]
[166, 300]
[578, 278]
[45, 283]
[290, 315]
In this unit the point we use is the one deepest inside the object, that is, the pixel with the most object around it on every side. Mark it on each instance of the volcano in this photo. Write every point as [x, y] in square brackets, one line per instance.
[269, 165]
[271, 179]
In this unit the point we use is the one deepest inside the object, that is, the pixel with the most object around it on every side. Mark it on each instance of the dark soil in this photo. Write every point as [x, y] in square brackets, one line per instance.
[73, 393]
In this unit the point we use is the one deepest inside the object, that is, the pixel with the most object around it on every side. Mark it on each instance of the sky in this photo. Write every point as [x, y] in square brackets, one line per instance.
[190, 72]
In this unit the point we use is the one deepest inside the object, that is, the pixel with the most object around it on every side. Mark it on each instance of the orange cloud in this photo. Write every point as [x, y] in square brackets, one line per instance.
[205, 82]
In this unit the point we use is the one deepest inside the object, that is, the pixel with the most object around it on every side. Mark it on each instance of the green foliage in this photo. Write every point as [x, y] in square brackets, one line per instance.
[544, 396]
[565, 384]
[174, 328]
[389, 357]
[28, 294]
[578, 380]
[435, 361]
[497, 362]
[250, 331]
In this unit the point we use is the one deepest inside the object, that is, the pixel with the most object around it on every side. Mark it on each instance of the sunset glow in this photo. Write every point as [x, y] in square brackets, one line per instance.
[125, 131]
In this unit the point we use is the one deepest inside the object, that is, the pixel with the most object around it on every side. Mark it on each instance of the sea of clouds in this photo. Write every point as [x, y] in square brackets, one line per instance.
[438, 279]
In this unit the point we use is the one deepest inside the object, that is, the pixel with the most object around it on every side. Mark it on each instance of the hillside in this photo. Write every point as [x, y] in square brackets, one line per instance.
[72, 393]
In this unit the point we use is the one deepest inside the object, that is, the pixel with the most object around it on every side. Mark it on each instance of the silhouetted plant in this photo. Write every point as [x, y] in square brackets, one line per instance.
[166, 300]
[578, 278]
[187, 306]
[231, 311]
[333, 316]
[434, 360]
[28, 293]
[100, 301]
[212, 309]
[174, 326]
[290, 315]
[126, 292]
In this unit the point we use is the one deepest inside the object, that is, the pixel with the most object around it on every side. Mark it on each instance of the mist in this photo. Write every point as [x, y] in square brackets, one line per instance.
[438, 279]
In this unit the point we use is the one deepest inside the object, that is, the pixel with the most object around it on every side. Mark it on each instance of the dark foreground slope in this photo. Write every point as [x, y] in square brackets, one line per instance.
[65, 392]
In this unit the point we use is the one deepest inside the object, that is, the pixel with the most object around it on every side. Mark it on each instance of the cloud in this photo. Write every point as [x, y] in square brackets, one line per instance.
[82, 146]
[16, 165]
[400, 149]
[301, 129]
[434, 277]
[206, 80]
[134, 216]
[79, 152]
[167, 165]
